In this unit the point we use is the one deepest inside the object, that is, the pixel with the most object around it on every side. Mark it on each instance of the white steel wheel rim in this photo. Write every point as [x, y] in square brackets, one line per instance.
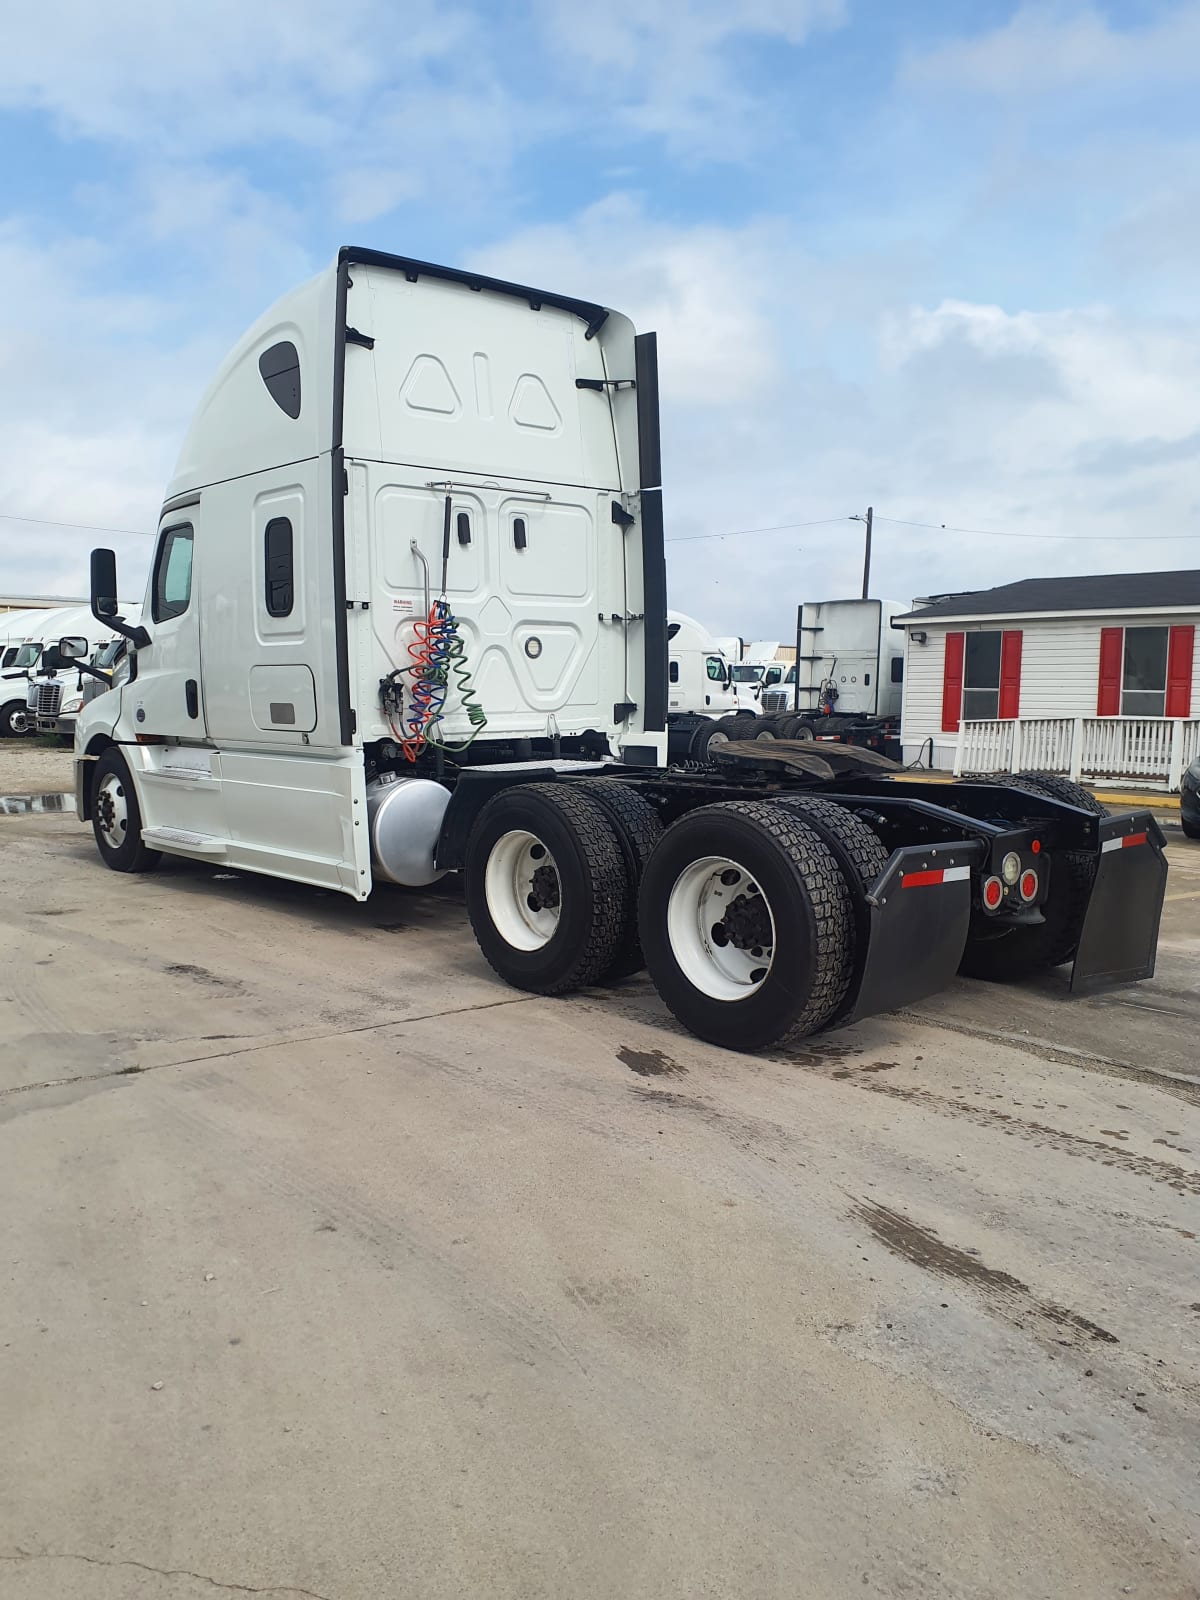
[804, 734]
[699, 903]
[19, 721]
[112, 811]
[521, 876]
[717, 736]
[765, 734]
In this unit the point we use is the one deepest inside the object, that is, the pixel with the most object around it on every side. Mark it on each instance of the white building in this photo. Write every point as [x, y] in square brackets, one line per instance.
[1095, 677]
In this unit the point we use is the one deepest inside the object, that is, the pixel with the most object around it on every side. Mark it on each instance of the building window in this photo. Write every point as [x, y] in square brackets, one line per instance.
[278, 567]
[173, 574]
[981, 677]
[1144, 673]
[715, 668]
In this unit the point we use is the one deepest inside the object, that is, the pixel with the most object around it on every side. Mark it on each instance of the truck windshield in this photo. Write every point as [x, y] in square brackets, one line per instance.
[746, 674]
[27, 655]
[109, 653]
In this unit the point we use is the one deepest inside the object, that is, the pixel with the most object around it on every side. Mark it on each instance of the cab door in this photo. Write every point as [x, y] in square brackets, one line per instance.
[166, 693]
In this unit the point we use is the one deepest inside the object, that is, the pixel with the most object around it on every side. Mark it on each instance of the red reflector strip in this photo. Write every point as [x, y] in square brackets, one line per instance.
[1124, 842]
[920, 880]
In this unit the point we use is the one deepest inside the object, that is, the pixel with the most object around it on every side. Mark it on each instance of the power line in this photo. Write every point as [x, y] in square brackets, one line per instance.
[85, 527]
[995, 533]
[779, 527]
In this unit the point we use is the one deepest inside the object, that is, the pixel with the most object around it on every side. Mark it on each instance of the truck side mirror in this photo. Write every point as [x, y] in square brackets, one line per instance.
[73, 648]
[104, 584]
[104, 598]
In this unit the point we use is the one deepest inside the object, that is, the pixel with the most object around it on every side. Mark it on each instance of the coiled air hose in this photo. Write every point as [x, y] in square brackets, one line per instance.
[439, 667]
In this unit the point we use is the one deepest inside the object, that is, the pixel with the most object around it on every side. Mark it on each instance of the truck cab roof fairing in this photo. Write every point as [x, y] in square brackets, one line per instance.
[240, 427]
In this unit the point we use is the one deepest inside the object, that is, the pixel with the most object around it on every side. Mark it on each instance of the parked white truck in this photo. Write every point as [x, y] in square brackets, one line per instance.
[38, 653]
[703, 705]
[407, 615]
[60, 687]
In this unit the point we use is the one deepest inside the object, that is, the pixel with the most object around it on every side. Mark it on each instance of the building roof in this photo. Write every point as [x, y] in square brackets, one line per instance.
[1103, 591]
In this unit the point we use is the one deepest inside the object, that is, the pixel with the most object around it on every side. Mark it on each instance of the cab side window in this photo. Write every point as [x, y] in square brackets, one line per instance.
[173, 574]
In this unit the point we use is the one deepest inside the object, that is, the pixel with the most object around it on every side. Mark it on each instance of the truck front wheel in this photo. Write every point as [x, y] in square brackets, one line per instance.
[14, 720]
[746, 924]
[116, 819]
[546, 887]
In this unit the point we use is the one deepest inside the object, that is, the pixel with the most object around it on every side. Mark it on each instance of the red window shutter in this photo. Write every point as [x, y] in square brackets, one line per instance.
[1181, 644]
[1112, 651]
[1010, 674]
[952, 682]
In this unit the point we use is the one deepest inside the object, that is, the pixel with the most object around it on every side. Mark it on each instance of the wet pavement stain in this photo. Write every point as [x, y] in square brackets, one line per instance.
[868, 1066]
[650, 1063]
[184, 969]
[24, 805]
[1183, 1180]
[1013, 1299]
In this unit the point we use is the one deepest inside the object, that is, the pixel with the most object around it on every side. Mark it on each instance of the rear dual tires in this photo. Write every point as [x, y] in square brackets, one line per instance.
[747, 926]
[638, 828]
[1024, 950]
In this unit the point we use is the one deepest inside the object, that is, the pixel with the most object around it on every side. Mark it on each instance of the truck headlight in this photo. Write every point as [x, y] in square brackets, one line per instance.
[69, 707]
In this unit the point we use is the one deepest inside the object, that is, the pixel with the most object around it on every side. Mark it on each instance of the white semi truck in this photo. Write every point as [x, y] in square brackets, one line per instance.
[36, 653]
[407, 615]
[60, 687]
[704, 709]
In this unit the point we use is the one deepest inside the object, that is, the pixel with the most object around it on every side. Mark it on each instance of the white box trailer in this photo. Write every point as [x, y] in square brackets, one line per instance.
[406, 615]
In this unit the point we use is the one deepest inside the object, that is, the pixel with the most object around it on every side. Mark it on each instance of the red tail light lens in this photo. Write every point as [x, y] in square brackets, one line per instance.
[993, 893]
[1029, 885]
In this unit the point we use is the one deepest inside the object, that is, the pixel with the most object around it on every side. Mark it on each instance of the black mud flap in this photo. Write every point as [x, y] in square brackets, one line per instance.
[916, 918]
[1120, 930]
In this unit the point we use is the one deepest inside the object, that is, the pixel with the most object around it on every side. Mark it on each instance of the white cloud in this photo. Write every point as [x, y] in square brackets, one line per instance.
[668, 67]
[1047, 47]
[700, 287]
[215, 75]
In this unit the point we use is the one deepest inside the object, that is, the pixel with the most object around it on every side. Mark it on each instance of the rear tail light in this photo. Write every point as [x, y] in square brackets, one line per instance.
[1029, 885]
[993, 893]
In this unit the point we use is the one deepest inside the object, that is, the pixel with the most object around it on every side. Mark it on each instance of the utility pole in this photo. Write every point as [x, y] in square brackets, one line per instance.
[866, 594]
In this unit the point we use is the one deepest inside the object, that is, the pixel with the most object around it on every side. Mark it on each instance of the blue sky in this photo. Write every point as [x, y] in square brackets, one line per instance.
[937, 257]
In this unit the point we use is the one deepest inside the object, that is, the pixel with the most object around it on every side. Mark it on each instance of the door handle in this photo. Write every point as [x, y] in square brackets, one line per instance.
[191, 694]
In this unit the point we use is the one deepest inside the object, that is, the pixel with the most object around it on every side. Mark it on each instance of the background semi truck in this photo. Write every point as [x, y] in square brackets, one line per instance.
[40, 678]
[406, 615]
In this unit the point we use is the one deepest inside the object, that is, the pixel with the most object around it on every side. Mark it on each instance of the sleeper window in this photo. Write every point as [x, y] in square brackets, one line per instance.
[173, 574]
[280, 587]
[673, 672]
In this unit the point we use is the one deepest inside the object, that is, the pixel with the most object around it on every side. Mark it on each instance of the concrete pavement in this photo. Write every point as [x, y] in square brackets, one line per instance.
[334, 1268]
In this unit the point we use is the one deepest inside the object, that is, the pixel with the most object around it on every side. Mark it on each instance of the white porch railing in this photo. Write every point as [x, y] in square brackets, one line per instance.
[1154, 751]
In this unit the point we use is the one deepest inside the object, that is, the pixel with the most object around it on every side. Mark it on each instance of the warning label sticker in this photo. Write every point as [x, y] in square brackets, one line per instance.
[404, 603]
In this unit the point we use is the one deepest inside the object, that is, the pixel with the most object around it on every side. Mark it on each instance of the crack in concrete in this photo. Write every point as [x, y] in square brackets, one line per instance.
[168, 1572]
[265, 1044]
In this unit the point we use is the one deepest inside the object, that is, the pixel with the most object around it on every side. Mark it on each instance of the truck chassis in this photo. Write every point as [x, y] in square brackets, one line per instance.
[767, 901]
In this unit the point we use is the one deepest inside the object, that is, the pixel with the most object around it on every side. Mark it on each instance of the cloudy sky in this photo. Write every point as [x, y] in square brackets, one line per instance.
[937, 257]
